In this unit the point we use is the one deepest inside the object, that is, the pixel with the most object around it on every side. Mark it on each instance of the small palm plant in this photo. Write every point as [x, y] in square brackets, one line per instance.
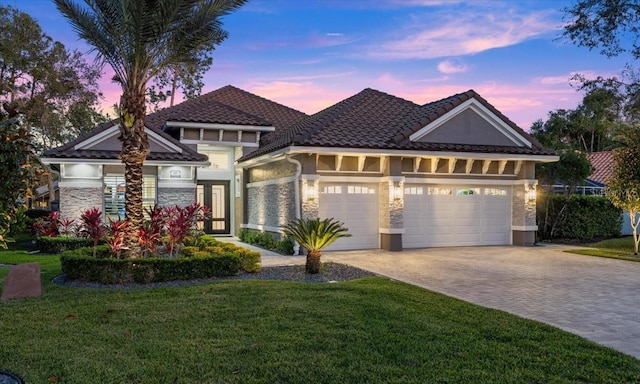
[314, 235]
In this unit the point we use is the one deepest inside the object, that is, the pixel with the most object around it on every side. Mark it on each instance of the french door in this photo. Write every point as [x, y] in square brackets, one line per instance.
[215, 195]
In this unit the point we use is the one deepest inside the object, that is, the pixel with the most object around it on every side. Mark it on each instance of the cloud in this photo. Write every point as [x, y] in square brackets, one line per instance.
[304, 96]
[439, 34]
[450, 66]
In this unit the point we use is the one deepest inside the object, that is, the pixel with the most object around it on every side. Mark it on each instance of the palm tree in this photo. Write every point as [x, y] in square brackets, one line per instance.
[315, 234]
[139, 38]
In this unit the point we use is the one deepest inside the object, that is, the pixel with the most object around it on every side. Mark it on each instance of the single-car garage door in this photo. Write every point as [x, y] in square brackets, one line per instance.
[441, 215]
[356, 205]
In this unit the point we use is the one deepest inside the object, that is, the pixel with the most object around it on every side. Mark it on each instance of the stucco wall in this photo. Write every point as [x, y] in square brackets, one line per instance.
[275, 170]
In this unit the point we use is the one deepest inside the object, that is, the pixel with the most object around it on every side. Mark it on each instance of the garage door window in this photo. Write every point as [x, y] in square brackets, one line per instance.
[332, 189]
[358, 190]
[467, 191]
[438, 191]
[495, 192]
[413, 191]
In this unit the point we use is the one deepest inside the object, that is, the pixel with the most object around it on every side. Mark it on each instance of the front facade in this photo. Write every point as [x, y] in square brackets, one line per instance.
[399, 175]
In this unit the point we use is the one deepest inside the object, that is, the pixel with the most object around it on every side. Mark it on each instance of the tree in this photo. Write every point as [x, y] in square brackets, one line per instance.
[138, 39]
[53, 88]
[605, 24]
[623, 189]
[314, 235]
[15, 168]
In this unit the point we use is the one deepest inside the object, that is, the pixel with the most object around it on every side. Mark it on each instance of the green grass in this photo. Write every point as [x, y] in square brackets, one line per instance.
[372, 330]
[618, 248]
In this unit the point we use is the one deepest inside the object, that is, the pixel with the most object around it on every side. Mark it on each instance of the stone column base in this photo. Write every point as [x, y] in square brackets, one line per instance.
[391, 242]
[524, 238]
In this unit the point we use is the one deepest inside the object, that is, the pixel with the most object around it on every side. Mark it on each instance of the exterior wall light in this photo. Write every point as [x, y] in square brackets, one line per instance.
[310, 190]
[530, 192]
[396, 192]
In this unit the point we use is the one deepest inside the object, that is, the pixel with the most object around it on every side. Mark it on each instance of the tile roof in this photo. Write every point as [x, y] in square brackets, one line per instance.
[67, 150]
[376, 120]
[602, 165]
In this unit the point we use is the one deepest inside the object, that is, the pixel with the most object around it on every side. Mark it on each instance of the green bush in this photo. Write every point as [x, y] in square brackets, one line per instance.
[577, 217]
[60, 244]
[37, 213]
[267, 240]
[249, 260]
[80, 265]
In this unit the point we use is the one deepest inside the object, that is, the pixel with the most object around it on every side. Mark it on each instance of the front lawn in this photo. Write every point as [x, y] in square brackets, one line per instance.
[372, 330]
[618, 248]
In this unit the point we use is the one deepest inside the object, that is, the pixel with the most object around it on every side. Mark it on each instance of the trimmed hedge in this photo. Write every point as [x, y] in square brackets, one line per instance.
[206, 246]
[577, 217]
[59, 244]
[80, 265]
[267, 240]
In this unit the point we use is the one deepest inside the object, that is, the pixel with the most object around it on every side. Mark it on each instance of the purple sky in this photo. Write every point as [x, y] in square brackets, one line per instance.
[311, 54]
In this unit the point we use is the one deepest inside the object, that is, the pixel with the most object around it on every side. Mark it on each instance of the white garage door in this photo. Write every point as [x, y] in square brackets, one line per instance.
[356, 205]
[441, 215]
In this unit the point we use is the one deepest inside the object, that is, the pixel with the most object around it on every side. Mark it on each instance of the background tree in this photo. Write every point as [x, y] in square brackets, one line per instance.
[138, 39]
[55, 89]
[16, 171]
[623, 189]
[186, 77]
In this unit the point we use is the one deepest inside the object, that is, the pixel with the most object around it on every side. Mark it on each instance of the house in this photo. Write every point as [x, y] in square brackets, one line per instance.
[398, 174]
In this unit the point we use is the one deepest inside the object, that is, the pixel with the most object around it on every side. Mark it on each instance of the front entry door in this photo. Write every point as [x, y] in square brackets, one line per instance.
[215, 195]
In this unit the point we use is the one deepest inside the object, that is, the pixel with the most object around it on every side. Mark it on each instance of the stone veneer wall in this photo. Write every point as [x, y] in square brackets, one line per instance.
[391, 211]
[271, 171]
[75, 200]
[524, 212]
[176, 196]
[271, 205]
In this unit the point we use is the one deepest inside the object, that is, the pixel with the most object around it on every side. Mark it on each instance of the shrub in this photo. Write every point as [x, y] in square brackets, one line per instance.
[249, 260]
[266, 240]
[80, 265]
[36, 213]
[60, 244]
[577, 217]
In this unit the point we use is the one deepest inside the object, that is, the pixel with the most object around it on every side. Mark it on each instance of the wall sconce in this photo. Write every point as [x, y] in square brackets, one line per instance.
[311, 190]
[396, 192]
[530, 192]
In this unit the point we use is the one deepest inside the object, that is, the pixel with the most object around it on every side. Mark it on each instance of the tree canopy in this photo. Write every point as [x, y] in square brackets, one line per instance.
[623, 188]
[54, 88]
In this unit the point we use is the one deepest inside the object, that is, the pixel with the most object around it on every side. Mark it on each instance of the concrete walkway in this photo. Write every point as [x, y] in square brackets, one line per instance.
[593, 297]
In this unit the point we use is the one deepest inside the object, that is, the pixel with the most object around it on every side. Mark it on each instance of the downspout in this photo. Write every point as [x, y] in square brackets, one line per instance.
[296, 192]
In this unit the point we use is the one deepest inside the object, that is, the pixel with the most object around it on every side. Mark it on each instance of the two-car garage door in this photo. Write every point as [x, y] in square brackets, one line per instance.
[441, 215]
[434, 215]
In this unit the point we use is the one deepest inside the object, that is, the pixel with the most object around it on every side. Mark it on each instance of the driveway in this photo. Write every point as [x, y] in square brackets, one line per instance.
[593, 297]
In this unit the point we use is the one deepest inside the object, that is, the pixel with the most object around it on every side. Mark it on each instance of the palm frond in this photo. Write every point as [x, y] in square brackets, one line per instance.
[315, 234]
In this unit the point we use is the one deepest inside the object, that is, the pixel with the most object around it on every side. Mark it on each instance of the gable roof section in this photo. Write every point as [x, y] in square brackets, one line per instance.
[375, 120]
[98, 145]
[602, 166]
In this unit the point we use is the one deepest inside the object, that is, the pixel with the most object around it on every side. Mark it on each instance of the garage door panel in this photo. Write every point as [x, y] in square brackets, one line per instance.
[356, 205]
[479, 218]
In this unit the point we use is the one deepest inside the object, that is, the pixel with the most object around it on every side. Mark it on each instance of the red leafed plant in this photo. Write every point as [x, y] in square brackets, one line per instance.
[177, 227]
[48, 226]
[92, 226]
[66, 226]
[117, 231]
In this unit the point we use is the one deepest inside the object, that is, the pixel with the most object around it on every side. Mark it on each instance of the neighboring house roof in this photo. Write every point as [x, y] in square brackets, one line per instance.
[602, 166]
[375, 120]
[75, 150]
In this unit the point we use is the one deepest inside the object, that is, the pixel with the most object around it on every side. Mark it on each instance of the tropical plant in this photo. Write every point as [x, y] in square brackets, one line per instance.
[92, 226]
[623, 188]
[138, 39]
[117, 231]
[314, 235]
[49, 226]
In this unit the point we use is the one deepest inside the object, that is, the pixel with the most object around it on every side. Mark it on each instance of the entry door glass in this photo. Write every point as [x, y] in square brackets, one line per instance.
[215, 195]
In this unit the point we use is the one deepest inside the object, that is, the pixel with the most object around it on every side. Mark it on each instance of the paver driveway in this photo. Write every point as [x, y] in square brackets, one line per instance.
[593, 297]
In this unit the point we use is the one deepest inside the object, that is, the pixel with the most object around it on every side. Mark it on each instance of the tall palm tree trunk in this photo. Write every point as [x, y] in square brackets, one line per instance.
[313, 262]
[135, 147]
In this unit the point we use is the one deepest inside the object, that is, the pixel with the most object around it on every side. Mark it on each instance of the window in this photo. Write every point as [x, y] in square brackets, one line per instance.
[358, 190]
[114, 191]
[467, 191]
[413, 191]
[438, 191]
[332, 189]
[495, 192]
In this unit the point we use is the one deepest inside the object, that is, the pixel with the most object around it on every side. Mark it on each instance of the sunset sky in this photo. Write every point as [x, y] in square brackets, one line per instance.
[311, 54]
